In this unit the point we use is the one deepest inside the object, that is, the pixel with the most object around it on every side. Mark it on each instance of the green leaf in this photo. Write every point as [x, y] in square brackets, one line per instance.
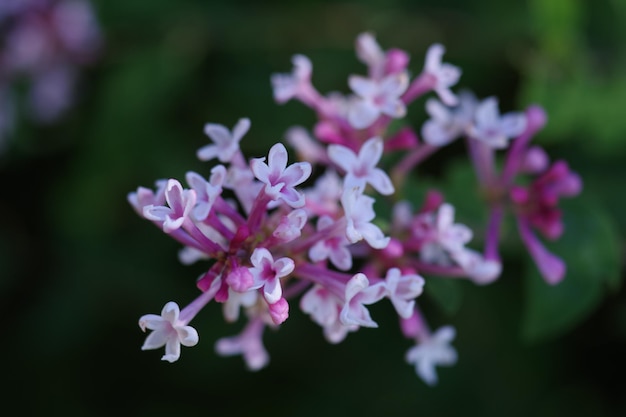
[589, 247]
[447, 293]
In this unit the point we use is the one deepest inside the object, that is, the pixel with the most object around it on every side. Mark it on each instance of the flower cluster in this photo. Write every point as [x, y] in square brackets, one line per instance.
[44, 42]
[274, 233]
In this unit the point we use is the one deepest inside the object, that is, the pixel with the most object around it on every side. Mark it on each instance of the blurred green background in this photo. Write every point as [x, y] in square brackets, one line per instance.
[78, 267]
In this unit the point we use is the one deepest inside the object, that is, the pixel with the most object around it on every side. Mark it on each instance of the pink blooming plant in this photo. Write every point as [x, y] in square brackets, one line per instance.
[45, 43]
[278, 234]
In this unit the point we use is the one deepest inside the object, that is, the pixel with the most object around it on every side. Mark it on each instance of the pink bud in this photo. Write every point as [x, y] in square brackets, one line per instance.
[396, 61]
[240, 279]
[279, 311]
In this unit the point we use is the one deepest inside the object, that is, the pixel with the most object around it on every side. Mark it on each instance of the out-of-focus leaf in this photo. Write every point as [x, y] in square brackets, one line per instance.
[557, 25]
[447, 293]
[589, 247]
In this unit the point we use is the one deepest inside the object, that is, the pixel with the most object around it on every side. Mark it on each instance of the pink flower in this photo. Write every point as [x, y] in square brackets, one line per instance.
[445, 75]
[324, 308]
[288, 86]
[280, 180]
[376, 98]
[333, 247]
[323, 197]
[306, 147]
[359, 294]
[447, 124]
[225, 144]
[248, 344]
[290, 226]
[432, 351]
[539, 202]
[168, 331]
[402, 290]
[370, 53]
[493, 129]
[379, 62]
[359, 211]
[361, 169]
[266, 273]
[206, 191]
[144, 197]
[480, 270]
[442, 237]
[180, 203]
[237, 300]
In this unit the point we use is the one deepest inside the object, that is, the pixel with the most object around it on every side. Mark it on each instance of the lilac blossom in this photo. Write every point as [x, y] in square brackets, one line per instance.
[537, 207]
[268, 240]
[294, 85]
[206, 191]
[45, 43]
[359, 210]
[266, 273]
[402, 289]
[169, 331]
[179, 205]
[493, 129]
[305, 146]
[324, 307]
[360, 293]
[225, 143]
[370, 53]
[248, 344]
[290, 226]
[361, 169]
[333, 247]
[379, 62]
[280, 180]
[376, 98]
[447, 124]
[323, 197]
[432, 351]
[445, 75]
[145, 197]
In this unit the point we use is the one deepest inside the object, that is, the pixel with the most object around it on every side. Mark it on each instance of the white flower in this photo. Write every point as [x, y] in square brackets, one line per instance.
[280, 180]
[480, 270]
[168, 331]
[206, 191]
[376, 98]
[266, 273]
[445, 75]
[180, 202]
[333, 247]
[324, 308]
[444, 238]
[371, 54]
[359, 293]
[322, 198]
[432, 351]
[226, 144]
[402, 290]
[288, 86]
[306, 147]
[359, 211]
[447, 124]
[321, 305]
[237, 300]
[248, 343]
[144, 197]
[361, 169]
[493, 129]
[290, 226]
